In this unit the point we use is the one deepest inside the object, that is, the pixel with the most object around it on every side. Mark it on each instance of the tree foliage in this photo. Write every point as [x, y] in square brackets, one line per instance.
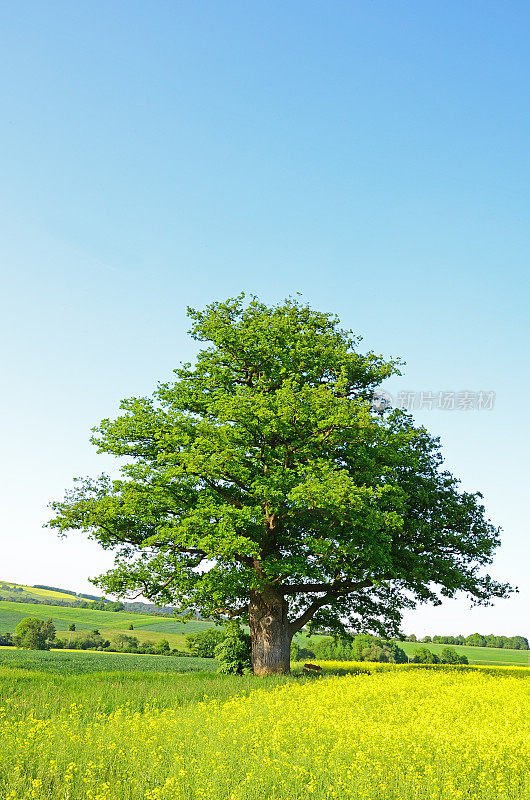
[233, 652]
[422, 655]
[203, 643]
[262, 483]
[479, 640]
[359, 648]
[34, 634]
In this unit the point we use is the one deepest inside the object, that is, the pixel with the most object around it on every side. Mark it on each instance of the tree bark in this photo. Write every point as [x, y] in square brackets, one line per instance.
[270, 633]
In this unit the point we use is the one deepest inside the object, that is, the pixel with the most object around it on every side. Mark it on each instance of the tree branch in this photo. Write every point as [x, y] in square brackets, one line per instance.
[332, 593]
[336, 588]
[233, 612]
[222, 492]
[297, 624]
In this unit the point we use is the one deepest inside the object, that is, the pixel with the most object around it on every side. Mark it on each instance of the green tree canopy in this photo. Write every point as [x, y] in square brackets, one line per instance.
[34, 634]
[263, 483]
[203, 643]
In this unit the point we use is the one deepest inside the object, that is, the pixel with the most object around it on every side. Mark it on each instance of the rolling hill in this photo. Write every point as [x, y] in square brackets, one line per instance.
[146, 627]
[476, 655]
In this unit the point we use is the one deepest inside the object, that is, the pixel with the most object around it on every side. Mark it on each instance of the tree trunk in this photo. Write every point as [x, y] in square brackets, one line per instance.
[269, 630]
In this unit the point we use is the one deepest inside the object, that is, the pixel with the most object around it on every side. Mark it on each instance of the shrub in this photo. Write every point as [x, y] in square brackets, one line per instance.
[233, 653]
[34, 634]
[450, 656]
[124, 642]
[162, 648]
[299, 653]
[203, 643]
[422, 655]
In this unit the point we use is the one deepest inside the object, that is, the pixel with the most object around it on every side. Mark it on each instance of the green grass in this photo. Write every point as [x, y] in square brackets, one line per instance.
[86, 619]
[48, 693]
[476, 655]
[78, 662]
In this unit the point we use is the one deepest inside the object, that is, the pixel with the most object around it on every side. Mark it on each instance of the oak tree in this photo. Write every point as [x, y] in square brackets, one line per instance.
[263, 483]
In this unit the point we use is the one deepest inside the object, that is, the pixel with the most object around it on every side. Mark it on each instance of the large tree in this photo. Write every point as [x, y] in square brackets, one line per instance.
[264, 484]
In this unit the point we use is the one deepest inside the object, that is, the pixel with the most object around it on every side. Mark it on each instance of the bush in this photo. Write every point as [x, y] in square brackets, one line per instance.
[422, 655]
[127, 643]
[450, 656]
[34, 634]
[233, 653]
[299, 653]
[203, 643]
[162, 648]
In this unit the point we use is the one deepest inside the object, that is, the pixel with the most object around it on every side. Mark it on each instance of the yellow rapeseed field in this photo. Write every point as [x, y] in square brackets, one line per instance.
[407, 734]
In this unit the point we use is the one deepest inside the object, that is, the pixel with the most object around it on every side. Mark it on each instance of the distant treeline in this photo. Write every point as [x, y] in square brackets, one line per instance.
[477, 640]
[94, 597]
[93, 640]
[63, 591]
[362, 647]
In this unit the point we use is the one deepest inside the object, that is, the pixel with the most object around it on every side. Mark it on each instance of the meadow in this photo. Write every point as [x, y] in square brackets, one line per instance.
[434, 734]
[475, 655]
[110, 623]
[79, 662]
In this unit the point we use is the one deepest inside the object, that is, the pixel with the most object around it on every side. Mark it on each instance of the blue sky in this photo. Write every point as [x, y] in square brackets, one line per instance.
[372, 156]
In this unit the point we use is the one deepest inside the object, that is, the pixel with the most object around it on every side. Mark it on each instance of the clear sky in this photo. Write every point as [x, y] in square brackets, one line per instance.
[371, 155]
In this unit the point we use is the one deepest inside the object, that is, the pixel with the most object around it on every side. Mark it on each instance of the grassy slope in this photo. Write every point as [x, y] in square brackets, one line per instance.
[9, 589]
[109, 623]
[475, 655]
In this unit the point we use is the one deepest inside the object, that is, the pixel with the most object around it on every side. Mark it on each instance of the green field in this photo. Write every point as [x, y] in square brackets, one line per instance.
[87, 619]
[151, 628]
[78, 662]
[475, 655]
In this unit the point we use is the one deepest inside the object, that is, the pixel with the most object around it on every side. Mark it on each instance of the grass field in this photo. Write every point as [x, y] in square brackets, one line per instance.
[108, 622]
[78, 662]
[151, 628]
[407, 732]
[476, 655]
